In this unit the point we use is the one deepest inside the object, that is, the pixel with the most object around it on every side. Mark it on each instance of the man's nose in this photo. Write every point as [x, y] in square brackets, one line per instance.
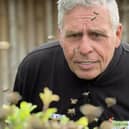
[85, 46]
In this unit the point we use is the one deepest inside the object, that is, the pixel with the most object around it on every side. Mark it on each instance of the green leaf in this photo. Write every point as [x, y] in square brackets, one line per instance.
[64, 119]
[28, 107]
[19, 116]
[82, 121]
[48, 113]
[47, 97]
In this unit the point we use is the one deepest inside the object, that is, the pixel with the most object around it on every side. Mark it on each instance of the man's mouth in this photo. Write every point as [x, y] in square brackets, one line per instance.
[86, 65]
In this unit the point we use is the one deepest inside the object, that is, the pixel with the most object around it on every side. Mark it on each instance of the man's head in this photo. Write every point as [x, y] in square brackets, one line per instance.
[89, 33]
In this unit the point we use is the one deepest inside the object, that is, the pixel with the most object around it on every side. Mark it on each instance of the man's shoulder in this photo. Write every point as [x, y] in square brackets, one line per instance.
[45, 51]
[125, 47]
[51, 46]
[47, 46]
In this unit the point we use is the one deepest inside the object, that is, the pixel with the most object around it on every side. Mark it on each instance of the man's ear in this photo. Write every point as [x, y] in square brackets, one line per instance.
[119, 35]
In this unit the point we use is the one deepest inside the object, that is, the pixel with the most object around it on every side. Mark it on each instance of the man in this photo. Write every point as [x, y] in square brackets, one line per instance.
[87, 65]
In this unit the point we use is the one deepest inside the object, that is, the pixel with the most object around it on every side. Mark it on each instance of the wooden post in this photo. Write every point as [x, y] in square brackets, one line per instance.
[14, 52]
[54, 14]
[21, 38]
[31, 34]
[40, 22]
[126, 20]
[4, 45]
[124, 15]
[49, 20]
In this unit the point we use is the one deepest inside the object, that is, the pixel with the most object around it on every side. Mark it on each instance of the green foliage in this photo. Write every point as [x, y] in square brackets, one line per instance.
[83, 121]
[46, 115]
[19, 116]
[23, 118]
[13, 117]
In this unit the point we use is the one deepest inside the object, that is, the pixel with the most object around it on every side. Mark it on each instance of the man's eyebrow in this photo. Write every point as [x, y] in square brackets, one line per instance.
[103, 31]
[69, 33]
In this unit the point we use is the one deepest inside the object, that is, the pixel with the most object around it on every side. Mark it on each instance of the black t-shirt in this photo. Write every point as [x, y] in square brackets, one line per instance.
[46, 66]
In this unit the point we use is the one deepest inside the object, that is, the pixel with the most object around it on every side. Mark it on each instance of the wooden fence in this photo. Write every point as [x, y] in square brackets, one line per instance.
[24, 25]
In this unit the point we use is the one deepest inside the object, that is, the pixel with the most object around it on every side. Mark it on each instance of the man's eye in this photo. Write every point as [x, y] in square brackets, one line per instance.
[97, 35]
[76, 35]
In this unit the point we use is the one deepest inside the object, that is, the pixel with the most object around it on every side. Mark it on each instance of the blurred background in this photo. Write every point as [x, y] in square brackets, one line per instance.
[25, 25]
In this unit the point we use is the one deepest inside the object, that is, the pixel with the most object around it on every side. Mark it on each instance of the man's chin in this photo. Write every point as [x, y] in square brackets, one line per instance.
[86, 76]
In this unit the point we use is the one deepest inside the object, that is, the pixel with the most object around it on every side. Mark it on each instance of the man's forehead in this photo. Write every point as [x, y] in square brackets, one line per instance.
[86, 18]
[82, 17]
[85, 12]
[80, 24]
[83, 27]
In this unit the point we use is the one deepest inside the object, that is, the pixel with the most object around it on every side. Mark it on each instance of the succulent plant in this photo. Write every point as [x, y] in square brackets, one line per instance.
[14, 117]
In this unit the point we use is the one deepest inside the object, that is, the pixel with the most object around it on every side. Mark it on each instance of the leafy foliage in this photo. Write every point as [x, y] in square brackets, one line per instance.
[13, 117]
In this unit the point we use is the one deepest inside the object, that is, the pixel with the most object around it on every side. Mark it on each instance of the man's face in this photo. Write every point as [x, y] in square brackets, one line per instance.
[88, 40]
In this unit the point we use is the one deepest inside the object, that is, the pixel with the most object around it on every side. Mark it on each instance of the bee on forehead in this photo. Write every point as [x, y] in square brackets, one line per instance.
[96, 13]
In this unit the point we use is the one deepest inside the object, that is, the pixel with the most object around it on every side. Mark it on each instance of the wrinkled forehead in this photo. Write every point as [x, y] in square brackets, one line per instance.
[87, 15]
